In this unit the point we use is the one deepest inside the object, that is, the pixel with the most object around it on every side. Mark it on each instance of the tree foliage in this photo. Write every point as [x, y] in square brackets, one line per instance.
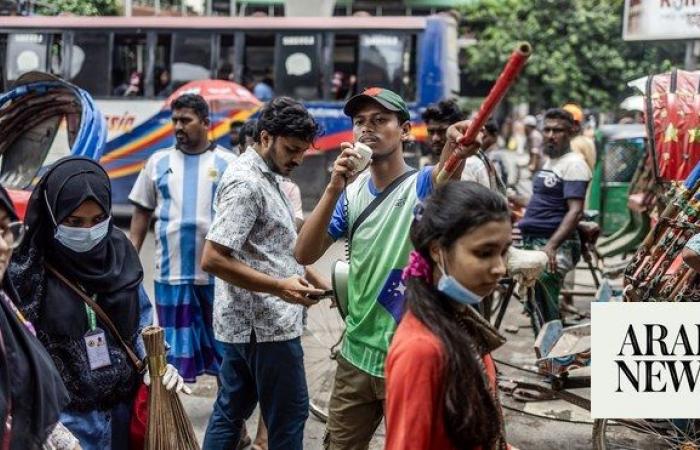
[578, 51]
[78, 7]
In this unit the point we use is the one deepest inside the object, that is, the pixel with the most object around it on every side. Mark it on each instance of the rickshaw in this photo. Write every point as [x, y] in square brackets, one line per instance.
[36, 115]
[621, 174]
[621, 148]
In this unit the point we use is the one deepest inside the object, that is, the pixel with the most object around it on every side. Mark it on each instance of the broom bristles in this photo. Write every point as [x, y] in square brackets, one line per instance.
[169, 428]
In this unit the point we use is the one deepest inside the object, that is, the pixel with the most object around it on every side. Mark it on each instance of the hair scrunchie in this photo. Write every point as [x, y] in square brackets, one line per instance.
[417, 267]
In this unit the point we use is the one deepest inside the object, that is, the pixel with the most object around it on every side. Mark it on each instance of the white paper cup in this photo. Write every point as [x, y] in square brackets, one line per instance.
[365, 155]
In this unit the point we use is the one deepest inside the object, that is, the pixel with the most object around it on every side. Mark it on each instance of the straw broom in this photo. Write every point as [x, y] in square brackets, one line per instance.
[168, 427]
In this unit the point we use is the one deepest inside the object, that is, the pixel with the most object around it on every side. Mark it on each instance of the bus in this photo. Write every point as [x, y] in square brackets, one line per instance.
[130, 65]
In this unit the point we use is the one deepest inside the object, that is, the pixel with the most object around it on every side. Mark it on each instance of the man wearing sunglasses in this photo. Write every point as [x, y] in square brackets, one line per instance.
[555, 209]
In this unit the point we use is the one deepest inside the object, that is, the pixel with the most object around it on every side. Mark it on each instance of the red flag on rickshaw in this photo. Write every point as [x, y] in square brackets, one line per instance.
[686, 89]
[666, 124]
[675, 104]
[692, 141]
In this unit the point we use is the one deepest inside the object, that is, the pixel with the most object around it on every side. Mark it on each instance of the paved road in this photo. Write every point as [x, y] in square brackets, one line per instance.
[526, 428]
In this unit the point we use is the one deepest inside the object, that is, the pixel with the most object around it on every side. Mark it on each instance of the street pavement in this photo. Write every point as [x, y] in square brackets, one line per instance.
[530, 426]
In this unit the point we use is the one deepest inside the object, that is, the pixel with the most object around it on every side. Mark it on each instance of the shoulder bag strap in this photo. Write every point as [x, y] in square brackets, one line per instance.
[378, 200]
[138, 364]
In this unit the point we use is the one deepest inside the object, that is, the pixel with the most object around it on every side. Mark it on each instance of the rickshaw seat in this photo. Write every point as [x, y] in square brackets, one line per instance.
[526, 265]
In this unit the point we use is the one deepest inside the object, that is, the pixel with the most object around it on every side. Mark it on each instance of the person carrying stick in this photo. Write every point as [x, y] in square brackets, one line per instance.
[379, 250]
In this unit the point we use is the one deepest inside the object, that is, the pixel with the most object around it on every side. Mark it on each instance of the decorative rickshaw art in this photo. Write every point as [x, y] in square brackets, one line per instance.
[656, 272]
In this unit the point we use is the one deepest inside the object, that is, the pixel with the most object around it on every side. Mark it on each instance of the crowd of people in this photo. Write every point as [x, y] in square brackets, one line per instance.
[233, 282]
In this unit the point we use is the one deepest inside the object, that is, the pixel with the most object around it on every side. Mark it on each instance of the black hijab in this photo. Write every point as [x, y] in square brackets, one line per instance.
[110, 272]
[30, 386]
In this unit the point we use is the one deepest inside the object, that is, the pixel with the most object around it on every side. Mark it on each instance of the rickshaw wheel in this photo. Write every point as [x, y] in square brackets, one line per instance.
[321, 343]
[646, 434]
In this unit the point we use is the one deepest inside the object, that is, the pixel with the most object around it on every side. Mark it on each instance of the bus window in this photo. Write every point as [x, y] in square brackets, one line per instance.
[298, 60]
[3, 52]
[25, 52]
[257, 73]
[344, 81]
[55, 62]
[162, 79]
[409, 67]
[227, 58]
[381, 61]
[191, 57]
[89, 66]
[129, 64]
[422, 11]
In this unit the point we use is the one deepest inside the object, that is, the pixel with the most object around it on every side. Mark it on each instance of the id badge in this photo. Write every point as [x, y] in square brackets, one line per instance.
[96, 347]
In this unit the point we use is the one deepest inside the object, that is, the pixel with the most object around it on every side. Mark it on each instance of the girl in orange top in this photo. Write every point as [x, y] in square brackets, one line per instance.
[441, 380]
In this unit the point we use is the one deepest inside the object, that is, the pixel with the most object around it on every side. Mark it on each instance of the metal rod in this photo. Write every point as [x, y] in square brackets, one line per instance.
[504, 304]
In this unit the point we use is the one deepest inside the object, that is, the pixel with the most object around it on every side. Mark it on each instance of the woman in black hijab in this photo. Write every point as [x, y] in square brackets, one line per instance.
[70, 230]
[31, 391]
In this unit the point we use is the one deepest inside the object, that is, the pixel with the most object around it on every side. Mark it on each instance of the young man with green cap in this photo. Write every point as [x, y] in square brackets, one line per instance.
[379, 248]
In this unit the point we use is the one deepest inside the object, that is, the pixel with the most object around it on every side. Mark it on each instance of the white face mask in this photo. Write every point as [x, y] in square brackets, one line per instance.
[82, 240]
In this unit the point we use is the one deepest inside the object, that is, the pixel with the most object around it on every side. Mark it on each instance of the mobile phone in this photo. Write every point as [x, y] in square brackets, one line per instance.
[325, 294]
[365, 153]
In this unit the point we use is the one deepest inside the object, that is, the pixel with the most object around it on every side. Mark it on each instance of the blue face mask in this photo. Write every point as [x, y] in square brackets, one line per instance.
[82, 240]
[448, 285]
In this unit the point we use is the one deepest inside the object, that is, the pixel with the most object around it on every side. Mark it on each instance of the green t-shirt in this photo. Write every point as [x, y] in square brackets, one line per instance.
[379, 252]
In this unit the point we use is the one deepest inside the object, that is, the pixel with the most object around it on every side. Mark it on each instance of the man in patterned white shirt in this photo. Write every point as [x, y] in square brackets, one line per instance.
[261, 295]
[177, 186]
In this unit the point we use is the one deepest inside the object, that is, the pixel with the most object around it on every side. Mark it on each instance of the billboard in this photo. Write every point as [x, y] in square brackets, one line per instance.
[650, 20]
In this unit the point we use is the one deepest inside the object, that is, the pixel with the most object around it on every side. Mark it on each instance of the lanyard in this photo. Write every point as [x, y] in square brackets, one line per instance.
[92, 320]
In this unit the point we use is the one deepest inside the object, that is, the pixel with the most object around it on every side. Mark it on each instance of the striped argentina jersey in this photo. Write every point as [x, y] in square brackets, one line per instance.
[180, 189]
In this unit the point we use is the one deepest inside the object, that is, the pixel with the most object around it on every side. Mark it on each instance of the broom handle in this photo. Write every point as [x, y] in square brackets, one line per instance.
[505, 80]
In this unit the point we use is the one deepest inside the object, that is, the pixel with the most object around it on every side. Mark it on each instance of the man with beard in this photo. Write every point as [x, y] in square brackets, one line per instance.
[261, 292]
[438, 117]
[379, 247]
[555, 209]
[177, 184]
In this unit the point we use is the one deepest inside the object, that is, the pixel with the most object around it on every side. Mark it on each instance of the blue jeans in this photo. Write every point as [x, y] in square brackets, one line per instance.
[100, 430]
[269, 372]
